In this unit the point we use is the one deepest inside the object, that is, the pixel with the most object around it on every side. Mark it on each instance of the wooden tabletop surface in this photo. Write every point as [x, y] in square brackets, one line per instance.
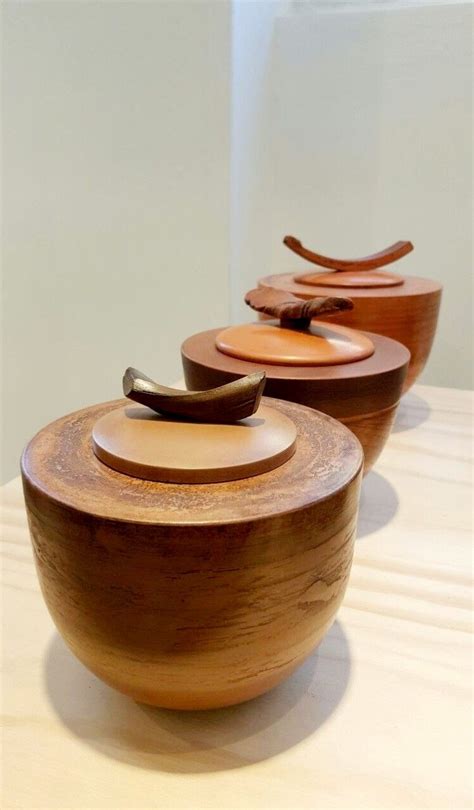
[378, 717]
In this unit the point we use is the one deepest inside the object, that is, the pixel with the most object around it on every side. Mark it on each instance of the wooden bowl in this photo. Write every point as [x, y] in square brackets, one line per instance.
[407, 312]
[363, 394]
[192, 596]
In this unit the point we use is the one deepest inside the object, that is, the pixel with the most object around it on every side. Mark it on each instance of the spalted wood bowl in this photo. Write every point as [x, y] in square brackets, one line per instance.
[192, 596]
[407, 312]
[363, 395]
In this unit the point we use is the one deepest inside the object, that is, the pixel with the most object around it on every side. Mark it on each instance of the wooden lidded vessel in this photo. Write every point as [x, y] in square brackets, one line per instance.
[404, 308]
[356, 377]
[188, 561]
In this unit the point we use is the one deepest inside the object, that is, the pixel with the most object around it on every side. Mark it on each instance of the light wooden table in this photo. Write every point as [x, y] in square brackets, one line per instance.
[377, 718]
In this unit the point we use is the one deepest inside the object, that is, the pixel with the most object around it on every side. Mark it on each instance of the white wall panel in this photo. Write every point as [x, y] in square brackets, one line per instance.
[365, 138]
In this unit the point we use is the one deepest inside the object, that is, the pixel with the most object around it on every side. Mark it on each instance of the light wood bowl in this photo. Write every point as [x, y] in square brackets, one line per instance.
[192, 596]
[407, 313]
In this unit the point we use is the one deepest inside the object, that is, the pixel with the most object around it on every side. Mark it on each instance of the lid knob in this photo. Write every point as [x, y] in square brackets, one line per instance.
[293, 312]
[227, 403]
[376, 260]
[295, 341]
[212, 436]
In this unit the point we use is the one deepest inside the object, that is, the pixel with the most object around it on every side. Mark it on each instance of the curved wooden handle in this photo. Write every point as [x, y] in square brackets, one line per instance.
[292, 311]
[387, 256]
[227, 403]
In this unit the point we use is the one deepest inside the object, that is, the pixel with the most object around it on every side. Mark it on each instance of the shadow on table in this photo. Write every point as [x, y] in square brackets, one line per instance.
[192, 742]
[378, 504]
[412, 411]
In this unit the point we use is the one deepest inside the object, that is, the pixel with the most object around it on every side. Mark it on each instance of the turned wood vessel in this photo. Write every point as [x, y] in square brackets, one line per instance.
[404, 308]
[192, 564]
[356, 377]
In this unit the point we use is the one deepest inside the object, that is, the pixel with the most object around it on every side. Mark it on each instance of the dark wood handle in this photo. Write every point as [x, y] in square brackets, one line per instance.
[227, 403]
[387, 256]
[292, 311]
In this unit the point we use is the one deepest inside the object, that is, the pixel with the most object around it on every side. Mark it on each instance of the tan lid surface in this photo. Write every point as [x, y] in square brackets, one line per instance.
[322, 344]
[368, 279]
[138, 442]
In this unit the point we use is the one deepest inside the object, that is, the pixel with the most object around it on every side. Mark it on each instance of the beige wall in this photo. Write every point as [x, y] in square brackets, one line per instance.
[116, 197]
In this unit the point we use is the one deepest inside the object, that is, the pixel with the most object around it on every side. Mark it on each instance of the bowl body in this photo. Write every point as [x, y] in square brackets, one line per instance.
[407, 313]
[363, 395]
[192, 596]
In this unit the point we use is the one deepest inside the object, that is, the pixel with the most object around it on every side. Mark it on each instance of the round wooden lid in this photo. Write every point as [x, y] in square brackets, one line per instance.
[368, 278]
[288, 282]
[136, 441]
[341, 390]
[60, 462]
[322, 344]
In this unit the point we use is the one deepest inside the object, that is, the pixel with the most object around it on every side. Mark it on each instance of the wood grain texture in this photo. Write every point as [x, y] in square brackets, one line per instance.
[389, 686]
[185, 596]
[407, 313]
[348, 391]
[372, 430]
